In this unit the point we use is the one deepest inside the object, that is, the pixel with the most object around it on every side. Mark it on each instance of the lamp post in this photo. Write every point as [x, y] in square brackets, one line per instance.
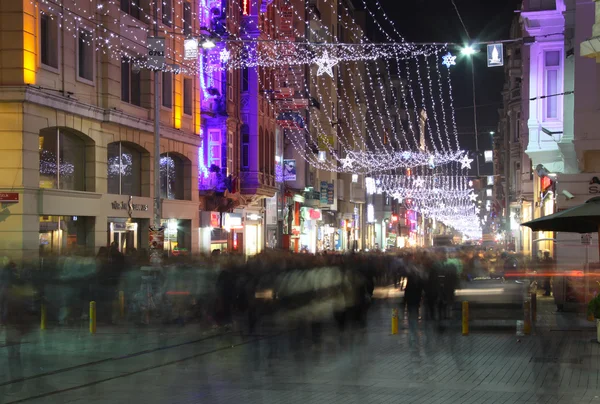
[469, 51]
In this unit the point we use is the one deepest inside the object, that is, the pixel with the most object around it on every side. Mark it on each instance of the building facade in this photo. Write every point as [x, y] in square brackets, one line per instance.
[77, 124]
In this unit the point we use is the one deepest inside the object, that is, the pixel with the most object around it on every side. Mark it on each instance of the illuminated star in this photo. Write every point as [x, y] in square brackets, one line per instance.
[419, 182]
[473, 197]
[347, 162]
[449, 60]
[465, 162]
[224, 56]
[326, 64]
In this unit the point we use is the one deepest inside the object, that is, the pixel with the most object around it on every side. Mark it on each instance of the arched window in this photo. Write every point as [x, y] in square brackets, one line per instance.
[62, 160]
[261, 150]
[124, 164]
[172, 178]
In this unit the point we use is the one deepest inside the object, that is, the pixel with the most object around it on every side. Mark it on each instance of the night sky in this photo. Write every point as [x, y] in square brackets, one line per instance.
[437, 21]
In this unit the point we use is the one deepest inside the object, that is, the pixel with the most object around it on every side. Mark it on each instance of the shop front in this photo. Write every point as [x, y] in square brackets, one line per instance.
[309, 229]
[180, 218]
[326, 232]
[253, 232]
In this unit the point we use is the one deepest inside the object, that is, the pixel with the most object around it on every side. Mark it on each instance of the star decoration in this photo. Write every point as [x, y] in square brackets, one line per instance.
[465, 162]
[326, 64]
[449, 60]
[347, 162]
[473, 197]
[419, 182]
[224, 56]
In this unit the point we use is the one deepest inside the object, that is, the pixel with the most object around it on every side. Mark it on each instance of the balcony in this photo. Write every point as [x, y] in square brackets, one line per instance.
[257, 184]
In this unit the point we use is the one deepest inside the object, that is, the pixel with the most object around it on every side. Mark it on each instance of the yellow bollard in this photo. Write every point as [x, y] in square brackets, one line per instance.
[122, 304]
[465, 318]
[43, 317]
[527, 317]
[533, 308]
[92, 317]
[590, 316]
[394, 321]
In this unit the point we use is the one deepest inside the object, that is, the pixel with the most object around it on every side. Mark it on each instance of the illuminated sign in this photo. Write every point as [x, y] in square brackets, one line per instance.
[191, 49]
[232, 221]
[246, 7]
[215, 219]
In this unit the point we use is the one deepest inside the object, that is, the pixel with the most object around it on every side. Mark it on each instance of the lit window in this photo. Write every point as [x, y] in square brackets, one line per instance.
[551, 86]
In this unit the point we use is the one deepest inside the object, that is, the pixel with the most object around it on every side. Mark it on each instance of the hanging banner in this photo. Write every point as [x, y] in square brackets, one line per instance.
[495, 55]
[289, 170]
[156, 52]
[191, 49]
[331, 193]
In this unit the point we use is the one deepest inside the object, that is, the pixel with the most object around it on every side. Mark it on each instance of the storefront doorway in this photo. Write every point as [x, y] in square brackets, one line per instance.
[124, 233]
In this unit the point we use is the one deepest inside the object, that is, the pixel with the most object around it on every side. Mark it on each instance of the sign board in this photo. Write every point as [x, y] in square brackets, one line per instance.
[215, 219]
[191, 49]
[586, 239]
[289, 170]
[324, 187]
[156, 52]
[495, 55]
[331, 193]
[9, 197]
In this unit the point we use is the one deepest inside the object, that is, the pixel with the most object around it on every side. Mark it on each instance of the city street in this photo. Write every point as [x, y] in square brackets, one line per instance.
[491, 365]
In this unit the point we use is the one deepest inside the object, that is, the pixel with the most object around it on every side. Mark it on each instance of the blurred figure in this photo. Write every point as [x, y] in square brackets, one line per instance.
[412, 300]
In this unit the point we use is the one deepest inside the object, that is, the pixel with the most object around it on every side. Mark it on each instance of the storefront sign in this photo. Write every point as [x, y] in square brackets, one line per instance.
[253, 217]
[324, 187]
[9, 197]
[314, 214]
[215, 219]
[594, 186]
[232, 221]
[330, 192]
[129, 206]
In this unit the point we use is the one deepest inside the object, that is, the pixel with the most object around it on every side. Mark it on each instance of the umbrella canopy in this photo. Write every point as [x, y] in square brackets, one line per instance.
[578, 219]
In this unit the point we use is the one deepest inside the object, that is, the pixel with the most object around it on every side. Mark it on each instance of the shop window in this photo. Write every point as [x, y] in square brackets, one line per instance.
[124, 165]
[131, 83]
[49, 40]
[167, 89]
[214, 148]
[177, 236]
[172, 178]
[85, 55]
[167, 12]
[187, 96]
[62, 160]
[64, 235]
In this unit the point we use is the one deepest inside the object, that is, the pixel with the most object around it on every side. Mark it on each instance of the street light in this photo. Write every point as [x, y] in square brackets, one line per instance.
[208, 44]
[468, 50]
[492, 133]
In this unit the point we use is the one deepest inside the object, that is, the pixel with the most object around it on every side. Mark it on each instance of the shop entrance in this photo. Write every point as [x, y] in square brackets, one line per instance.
[124, 233]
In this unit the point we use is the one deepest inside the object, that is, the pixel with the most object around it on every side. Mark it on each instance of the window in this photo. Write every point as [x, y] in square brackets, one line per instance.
[85, 55]
[517, 132]
[49, 40]
[167, 89]
[171, 177]
[187, 18]
[124, 169]
[245, 153]
[131, 7]
[62, 160]
[167, 12]
[551, 77]
[245, 82]
[214, 148]
[131, 83]
[187, 96]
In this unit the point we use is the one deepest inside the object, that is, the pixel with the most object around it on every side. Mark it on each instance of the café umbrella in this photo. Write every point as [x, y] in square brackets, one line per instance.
[583, 218]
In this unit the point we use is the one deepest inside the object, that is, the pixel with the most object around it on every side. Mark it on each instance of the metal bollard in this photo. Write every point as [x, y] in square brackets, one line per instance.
[533, 308]
[122, 304]
[465, 318]
[43, 317]
[527, 317]
[394, 321]
[92, 317]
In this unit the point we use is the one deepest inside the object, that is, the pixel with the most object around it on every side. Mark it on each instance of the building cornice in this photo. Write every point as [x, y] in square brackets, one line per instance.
[65, 103]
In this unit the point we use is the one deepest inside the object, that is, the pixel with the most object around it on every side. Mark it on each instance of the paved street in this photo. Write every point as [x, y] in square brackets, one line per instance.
[181, 365]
